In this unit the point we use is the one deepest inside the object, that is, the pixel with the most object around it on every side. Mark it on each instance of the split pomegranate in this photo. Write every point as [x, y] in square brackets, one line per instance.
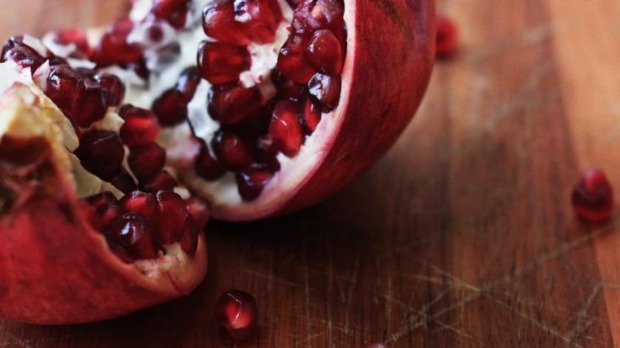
[115, 152]
[592, 196]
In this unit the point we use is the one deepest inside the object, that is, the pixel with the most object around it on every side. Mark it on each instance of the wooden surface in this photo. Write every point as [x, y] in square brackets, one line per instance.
[462, 236]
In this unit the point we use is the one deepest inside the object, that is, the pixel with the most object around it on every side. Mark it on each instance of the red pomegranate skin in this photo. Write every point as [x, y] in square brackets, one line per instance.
[399, 37]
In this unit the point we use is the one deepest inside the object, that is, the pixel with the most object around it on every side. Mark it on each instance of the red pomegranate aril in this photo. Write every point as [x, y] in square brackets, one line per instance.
[231, 104]
[101, 153]
[64, 85]
[288, 89]
[325, 91]
[447, 37]
[114, 48]
[219, 23]
[115, 89]
[106, 205]
[208, 167]
[233, 151]
[258, 19]
[375, 345]
[147, 161]
[134, 235]
[141, 203]
[163, 181]
[236, 313]
[139, 129]
[170, 108]
[325, 52]
[221, 63]
[171, 216]
[312, 117]
[199, 210]
[74, 37]
[124, 182]
[251, 182]
[15, 50]
[188, 83]
[91, 106]
[285, 132]
[173, 11]
[592, 196]
[327, 12]
[189, 237]
[295, 65]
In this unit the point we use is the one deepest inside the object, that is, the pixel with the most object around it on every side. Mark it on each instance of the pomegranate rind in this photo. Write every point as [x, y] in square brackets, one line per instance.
[56, 268]
[390, 55]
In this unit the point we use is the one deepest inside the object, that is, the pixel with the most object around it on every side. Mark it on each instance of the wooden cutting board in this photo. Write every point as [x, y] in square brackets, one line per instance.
[462, 236]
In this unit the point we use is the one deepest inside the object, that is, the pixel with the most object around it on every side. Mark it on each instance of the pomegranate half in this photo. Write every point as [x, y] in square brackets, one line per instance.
[118, 145]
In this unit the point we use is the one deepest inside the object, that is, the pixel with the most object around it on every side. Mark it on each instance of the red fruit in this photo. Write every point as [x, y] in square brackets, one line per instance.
[139, 129]
[221, 63]
[236, 313]
[447, 37]
[363, 98]
[592, 196]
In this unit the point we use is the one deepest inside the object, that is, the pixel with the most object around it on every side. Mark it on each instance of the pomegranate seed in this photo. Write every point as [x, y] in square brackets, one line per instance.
[236, 313]
[592, 196]
[258, 19]
[208, 167]
[199, 210]
[114, 48]
[172, 11]
[74, 37]
[189, 238]
[325, 91]
[15, 50]
[124, 182]
[163, 181]
[64, 85]
[171, 216]
[221, 63]
[231, 104]
[140, 128]
[295, 65]
[147, 161]
[170, 108]
[327, 12]
[188, 83]
[91, 105]
[251, 182]
[447, 37]
[133, 234]
[285, 130]
[375, 345]
[325, 52]
[115, 89]
[141, 203]
[219, 23]
[288, 89]
[101, 153]
[312, 117]
[106, 205]
[232, 150]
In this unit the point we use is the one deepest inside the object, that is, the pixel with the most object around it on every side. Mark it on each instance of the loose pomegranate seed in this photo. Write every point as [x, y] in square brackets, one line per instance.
[285, 130]
[375, 345]
[114, 87]
[189, 238]
[134, 235]
[114, 48]
[173, 11]
[295, 65]
[170, 108]
[234, 152]
[124, 182]
[592, 196]
[101, 153]
[236, 313]
[325, 91]
[312, 117]
[199, 210]
[163, 181]
[188, 83]
[325, 52]
[221, 63]
[171, 216]
[219, 23]
[147, 161]
[106, 205]
[258, 19]
[74, 37]
[208, 167]
[251, 182]
[141, 203]
[231, 104]
[140, 128]
[447, 37]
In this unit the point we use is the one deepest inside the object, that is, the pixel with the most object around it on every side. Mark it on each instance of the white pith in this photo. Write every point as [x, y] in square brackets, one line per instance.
[222, 194]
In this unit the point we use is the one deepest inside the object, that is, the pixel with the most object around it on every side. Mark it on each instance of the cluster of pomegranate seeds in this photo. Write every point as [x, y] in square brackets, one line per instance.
[139, 224]
[592, 196]
[447, 37]
[236, 313]
[307, 78]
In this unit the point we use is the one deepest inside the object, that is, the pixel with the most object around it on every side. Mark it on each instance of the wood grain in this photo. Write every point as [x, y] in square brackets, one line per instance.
[462, 236]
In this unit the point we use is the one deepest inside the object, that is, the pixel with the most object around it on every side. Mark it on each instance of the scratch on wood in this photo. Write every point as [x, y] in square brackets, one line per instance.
[583, 323]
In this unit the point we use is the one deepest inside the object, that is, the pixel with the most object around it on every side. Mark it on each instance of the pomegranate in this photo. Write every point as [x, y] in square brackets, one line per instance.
[118, 146]
[592, 196]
